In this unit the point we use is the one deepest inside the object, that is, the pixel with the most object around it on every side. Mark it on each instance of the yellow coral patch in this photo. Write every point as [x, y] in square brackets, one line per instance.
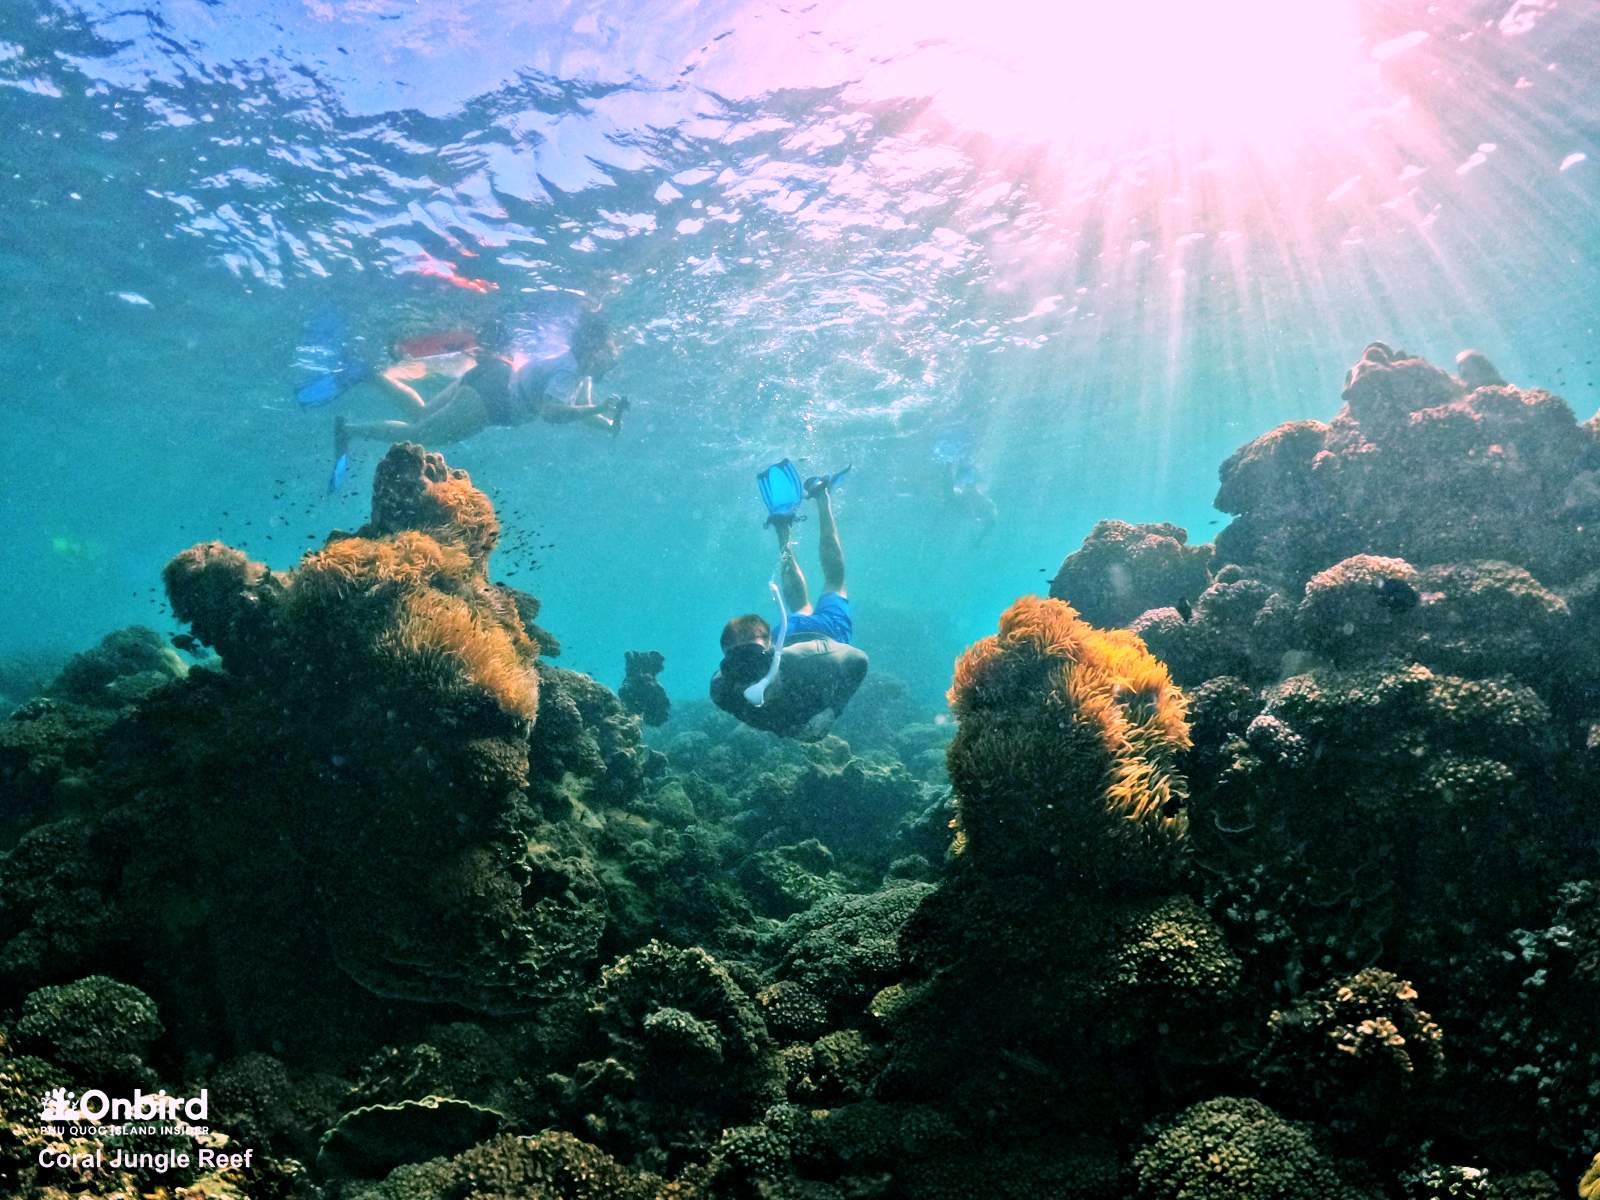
[1589, 1185]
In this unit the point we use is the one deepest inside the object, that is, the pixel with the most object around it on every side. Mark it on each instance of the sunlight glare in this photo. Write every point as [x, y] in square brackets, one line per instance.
[1227, 74]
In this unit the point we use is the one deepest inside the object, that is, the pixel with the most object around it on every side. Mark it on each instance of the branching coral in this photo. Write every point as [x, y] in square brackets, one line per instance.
[1352, 1047]
[847, 948]
[1067, 744]
[681, 1051]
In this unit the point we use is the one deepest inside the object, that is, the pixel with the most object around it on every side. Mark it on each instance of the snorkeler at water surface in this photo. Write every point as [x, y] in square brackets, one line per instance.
[818, 669]
[493, 389]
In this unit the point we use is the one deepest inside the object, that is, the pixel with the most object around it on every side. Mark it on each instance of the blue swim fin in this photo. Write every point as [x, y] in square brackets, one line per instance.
[341, 455]
[781, 491]
[819, 483]
[324, 388]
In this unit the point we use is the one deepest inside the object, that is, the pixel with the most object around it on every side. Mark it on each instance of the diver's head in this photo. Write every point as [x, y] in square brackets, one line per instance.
[594, 345]
[495, 336]
[750, 629]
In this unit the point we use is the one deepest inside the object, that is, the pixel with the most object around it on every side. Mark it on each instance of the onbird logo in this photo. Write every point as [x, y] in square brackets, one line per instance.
[60, 1106]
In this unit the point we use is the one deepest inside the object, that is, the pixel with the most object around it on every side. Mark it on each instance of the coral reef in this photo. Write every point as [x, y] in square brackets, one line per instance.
[1239, 1149]
[1417, 465]
[428, 918]
[681, 1052]
[123, 668]
[372, 1141]
[1348, 1049]
[95, 1029]
[550, 1166]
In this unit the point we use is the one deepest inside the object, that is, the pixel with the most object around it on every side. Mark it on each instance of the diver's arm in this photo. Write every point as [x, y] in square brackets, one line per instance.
[579, 406]
[853, 670]
[809, 684]
[730, 699]
[847, 667]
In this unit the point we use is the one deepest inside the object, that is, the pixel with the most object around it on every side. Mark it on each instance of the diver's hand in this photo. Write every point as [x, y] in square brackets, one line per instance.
[616, 406]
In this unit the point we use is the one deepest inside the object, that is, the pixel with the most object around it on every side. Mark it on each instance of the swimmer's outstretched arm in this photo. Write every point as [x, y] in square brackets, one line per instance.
[580, 406]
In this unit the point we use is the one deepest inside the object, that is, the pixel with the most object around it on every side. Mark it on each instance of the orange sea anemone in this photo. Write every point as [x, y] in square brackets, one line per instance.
[1067, 742]
[467, 513]
[442, 634]
[347, 566]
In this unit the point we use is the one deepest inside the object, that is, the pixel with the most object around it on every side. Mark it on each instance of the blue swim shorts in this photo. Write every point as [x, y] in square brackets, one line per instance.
[830, 618]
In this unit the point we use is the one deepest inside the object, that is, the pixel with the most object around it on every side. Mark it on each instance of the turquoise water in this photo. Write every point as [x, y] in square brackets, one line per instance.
[821, 232]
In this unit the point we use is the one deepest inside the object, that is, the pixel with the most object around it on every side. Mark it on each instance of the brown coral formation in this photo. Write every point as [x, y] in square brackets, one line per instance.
[1418, 465]
[1121, 570]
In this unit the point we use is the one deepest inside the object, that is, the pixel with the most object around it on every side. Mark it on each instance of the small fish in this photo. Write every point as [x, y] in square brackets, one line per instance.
[341, 472]
[1029, 1063]
[1183, 608]
[1397, 595]
[189, 644]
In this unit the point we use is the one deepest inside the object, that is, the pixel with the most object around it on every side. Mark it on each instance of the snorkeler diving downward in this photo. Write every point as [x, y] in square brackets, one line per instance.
[818, 670]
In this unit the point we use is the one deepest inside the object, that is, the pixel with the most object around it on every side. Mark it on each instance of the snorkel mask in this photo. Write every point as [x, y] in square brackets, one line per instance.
[746, 663]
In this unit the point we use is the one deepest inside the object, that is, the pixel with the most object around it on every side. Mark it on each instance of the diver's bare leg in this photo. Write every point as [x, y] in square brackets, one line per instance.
[828, 545]
[381, 431]
[406, 396]
[463, 415]
[796, 595]
[390, 430]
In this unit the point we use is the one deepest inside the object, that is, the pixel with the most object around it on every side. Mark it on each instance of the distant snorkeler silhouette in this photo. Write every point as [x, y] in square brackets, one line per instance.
[963, 485]
[491, 385]
[794, 684]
